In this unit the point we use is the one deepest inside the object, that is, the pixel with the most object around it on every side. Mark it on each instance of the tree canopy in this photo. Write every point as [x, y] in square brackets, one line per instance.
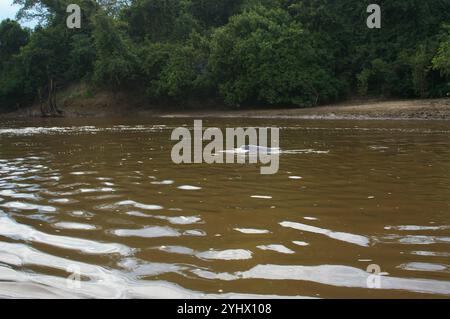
[237, 52]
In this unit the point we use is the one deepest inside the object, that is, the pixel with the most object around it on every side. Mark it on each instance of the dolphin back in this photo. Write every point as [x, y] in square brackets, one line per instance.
[258, 149]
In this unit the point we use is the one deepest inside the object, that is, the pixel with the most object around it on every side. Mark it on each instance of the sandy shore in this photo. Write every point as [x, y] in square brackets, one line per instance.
[437, 109]
[119, 106]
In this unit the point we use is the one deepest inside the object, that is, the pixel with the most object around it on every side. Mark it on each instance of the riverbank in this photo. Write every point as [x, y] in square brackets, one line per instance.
[78, 101]
[436, 109]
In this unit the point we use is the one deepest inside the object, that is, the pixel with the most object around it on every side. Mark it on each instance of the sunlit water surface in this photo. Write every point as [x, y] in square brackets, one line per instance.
[101, 200]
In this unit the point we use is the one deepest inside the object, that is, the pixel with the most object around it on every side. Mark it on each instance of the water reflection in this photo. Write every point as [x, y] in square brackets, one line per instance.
[350, 238]
[106, 199]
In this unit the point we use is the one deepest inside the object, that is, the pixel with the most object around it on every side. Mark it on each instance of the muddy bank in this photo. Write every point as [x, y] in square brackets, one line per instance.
[437, 109]
[79, 101]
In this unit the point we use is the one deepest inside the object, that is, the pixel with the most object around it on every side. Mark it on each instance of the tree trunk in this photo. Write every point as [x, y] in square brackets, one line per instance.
[50, 97]
[53, 108]
[44, 112]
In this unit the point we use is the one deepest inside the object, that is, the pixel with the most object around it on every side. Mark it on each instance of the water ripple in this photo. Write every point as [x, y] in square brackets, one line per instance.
[12, 229]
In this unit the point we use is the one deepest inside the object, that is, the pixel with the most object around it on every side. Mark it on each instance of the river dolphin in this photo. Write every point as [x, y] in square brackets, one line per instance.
[259, 149]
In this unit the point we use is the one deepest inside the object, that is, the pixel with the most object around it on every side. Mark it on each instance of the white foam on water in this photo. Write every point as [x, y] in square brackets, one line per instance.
[164, 182]
[102, 283]
[108, 184]
[80, 213]
[143, 268]
[278, 248]
[332, 275]
[26, 131]
[74, 226]
[261, 196]
[13, 194]
[417, 228]
[138, 205]
[304, 151]
[96, 190]
[206, 274]
[148, 232]
[420, 266]
[177, 250]
[344, 276]
[229, 254]
[63, 201]
[194, 232]
[84, 173]
[176, 220]
[11, 229]
[139, 214]
[412, 239]
[300, 243]
[28, 206]
[346, 237]
[182, 220]
[430, 253]
[252, 231]
[377, 147]
[189, 187]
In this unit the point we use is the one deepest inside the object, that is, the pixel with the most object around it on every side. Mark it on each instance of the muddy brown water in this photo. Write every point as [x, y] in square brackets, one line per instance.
[101, 200]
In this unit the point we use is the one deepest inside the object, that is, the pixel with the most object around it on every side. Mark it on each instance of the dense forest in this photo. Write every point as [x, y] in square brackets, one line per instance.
[236, 52]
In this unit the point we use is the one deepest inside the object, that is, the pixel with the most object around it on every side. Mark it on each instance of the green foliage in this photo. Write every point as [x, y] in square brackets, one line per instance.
[241, 52]
[265, 56]
[82, 56]
[363, 81]
[115, 65]
[441, 61]
[12, 38]
[45, 57]
[12, 85]
[174, 70]
[214, 12]
[420, 65]
[152, 19]
[42, 58]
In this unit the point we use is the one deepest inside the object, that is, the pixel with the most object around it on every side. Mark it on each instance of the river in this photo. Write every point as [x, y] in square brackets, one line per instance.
[96, 208]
